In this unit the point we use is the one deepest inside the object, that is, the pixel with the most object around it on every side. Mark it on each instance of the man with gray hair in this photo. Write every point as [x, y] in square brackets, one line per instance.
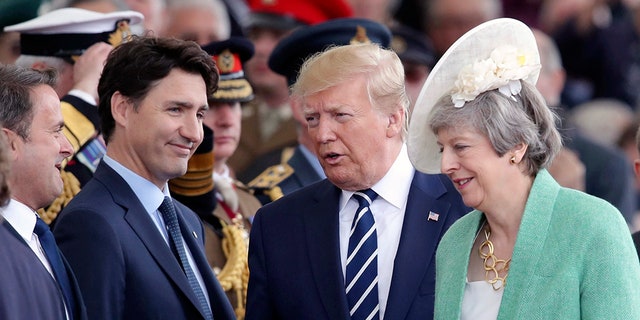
[202, 21]
[32, 125]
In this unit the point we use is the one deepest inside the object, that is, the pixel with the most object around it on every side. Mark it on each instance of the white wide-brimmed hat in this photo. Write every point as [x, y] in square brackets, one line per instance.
[493, 55]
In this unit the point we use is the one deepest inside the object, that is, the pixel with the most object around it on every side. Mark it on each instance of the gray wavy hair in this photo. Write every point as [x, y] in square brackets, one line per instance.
[507, 122]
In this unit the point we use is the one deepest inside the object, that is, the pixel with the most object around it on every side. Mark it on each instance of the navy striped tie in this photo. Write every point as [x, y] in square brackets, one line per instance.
[362, 261]
[177, 245]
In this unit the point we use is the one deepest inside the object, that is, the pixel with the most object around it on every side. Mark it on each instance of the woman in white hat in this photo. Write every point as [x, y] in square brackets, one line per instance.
[531, 249]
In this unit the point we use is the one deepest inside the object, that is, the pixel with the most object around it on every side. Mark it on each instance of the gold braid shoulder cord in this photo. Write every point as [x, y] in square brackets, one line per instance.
[235, 273]
[70, 189]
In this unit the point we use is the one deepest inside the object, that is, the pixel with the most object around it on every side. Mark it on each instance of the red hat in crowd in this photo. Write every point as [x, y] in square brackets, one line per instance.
[288, 14]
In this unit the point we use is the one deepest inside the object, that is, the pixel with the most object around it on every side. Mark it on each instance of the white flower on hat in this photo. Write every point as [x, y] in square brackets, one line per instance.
[503, 69]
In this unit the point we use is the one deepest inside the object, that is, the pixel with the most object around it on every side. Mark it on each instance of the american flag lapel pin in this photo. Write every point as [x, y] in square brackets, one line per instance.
[433, 216]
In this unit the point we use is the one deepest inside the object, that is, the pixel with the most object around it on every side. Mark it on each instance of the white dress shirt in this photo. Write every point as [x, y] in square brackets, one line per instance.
[388, 211]
[151, 198]
[23, 220]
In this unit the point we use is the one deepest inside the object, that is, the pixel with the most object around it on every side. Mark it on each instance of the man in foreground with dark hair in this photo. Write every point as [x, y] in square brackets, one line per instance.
[139, 254]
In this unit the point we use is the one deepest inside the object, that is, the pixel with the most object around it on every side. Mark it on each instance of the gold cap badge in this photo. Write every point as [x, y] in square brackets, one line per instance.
[361, 36]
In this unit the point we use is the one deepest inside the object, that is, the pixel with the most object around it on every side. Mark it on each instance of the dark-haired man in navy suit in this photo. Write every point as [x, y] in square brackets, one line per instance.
[137, 253]
[302, 245]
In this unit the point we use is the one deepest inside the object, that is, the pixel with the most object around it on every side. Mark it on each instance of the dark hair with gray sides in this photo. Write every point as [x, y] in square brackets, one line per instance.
[134, 67]
[506, 123]
[16, 84]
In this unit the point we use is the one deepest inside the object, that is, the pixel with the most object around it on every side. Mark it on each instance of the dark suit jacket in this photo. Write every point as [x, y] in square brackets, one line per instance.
[294, 254]
[27, 289]
[125, 268]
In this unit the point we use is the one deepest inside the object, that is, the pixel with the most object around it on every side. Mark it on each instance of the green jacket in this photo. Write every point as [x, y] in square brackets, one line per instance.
[573, 259]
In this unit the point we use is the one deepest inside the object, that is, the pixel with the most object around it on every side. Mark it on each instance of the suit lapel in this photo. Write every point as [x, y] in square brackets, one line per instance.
[15, 233]
[451, 284]
[418, 242]
[138, 219]
[213, 290]
[321, 229]
[80, 312]
[530, 242]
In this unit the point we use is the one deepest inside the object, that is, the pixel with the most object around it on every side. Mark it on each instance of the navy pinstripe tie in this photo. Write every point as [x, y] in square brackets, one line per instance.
[171, 220]
[362, 261]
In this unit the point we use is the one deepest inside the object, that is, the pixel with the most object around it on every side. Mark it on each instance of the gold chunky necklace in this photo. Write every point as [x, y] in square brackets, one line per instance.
[493, 266]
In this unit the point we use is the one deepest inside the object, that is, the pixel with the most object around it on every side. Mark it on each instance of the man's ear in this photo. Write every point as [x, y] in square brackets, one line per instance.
[119, 107]
[13, 141]
[395, 122]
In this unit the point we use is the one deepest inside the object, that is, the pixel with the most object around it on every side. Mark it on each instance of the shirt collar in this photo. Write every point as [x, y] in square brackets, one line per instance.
[225, 174]
[20, 217]
[394, 186]
[148, 193]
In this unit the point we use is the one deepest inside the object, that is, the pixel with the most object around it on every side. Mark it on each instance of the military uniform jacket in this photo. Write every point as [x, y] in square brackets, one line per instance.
[248, 205]
[226, 248]
[253, 145]
[81, 124]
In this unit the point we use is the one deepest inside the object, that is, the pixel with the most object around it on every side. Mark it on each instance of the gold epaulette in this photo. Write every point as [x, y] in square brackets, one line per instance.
[286, 154]
[271, 177]
[78, 129]
[274, 193]
[238, 184]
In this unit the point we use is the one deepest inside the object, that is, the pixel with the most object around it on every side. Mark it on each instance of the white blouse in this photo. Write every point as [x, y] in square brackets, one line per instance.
[480, 301]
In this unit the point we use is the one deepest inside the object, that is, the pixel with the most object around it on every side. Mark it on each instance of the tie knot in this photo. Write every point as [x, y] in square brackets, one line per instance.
[166, 208]
[365, 197]
[41, 227]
